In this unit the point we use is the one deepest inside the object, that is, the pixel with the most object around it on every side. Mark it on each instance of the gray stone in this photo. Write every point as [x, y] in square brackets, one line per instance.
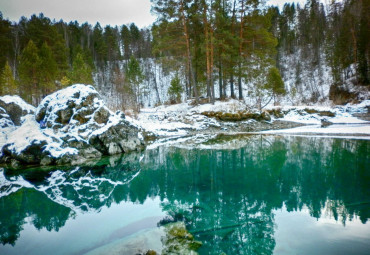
[47, 160]
[14, 110]
[5, 120]
[265, 116]
[79, 119]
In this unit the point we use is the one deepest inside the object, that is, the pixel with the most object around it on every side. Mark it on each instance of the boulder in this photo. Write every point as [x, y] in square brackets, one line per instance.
[70, 126]
[14, 108]
[5, 120]
[75, 105]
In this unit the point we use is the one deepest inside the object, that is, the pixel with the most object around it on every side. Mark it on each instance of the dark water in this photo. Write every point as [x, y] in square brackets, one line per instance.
[237, 195]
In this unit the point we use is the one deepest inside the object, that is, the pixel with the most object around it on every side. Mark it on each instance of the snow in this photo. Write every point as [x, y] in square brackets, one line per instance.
[61, 99]
[13, 185]
[172, 122]
[230, 106]
[82, 112]
[30, 132]
[345, 131]
[343, 114]
[181, 120]
[19, 101]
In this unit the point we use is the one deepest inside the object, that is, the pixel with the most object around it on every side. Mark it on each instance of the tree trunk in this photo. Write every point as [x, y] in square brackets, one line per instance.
[232, 85]
[207, 46]
[188, 54]
[155, 84]
[240, 87]
[220, 80]
[240, 51]
[211, 71]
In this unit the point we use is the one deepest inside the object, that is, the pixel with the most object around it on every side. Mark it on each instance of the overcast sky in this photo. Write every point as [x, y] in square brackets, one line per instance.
[113, 12]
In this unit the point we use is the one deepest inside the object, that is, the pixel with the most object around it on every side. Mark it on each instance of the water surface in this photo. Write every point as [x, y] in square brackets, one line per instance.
[237, 195]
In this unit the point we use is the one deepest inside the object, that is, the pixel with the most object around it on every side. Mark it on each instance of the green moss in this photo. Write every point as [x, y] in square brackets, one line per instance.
[150, 252]
[321, 113]
[178, 240]
[238, 116]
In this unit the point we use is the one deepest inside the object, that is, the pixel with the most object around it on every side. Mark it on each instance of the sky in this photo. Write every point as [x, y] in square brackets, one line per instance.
[112, 12]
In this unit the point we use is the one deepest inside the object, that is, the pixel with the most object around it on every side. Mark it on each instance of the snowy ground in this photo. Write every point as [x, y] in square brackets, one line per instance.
[184, 119]
[353, 131]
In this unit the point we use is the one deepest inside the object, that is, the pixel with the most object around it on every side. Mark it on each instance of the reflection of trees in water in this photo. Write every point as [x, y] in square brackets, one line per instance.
[56, 195]
[226, 197]
[43, 213]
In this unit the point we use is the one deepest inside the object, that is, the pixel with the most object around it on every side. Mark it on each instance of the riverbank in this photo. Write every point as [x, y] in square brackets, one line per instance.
[74, 125]
[234, 117]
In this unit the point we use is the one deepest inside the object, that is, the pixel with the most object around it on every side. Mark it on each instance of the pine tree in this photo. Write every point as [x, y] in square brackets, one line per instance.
[8, 84]
[5, 40]
[134, 76]
[175, 16]
[81, 72]
[28, 71]
[111, 40]
[175, 90]
[275, 83]
[60, 53]
[126, 39]
[48, 69]
[99, 46]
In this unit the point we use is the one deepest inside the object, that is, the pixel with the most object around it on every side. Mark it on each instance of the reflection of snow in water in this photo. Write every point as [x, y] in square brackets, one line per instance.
[82, 190]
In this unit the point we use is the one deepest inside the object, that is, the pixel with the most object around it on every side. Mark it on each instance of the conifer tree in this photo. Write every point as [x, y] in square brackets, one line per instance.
[60, 54]
[134, 76]
[28, 71]
[126, 39]
[99, 46]
[8, 84]
[175, 90]
[275, 83]
[5, 40]
[177, 12]
[48, 69]
[81, 72]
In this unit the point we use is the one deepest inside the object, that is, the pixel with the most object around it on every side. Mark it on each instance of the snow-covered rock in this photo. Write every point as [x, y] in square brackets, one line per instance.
[69, 127]
[13, 108]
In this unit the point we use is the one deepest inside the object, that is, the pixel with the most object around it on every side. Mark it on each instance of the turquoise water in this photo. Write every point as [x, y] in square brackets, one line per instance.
[237, 195]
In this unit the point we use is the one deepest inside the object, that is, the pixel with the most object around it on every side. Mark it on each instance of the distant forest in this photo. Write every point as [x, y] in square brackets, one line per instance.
[212, 47]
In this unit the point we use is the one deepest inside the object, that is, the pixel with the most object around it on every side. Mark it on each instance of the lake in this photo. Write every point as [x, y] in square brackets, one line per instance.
[257, 194]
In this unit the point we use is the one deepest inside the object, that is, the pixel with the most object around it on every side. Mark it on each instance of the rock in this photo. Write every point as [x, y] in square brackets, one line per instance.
[238, 116]
[15, 163]
[73, 105]
[5, 120]
[325, 122]
[78, 127]
[178, 240]
[30, 154]
[341, 94]
[15, 108]
[119, 138]
[46, 161]
[265, 116]
[102, 115]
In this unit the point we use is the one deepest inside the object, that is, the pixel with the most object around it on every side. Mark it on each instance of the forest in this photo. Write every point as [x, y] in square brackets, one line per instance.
[206, 50]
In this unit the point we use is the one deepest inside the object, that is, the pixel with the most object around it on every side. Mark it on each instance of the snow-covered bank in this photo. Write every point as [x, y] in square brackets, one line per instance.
[184, 119]
[353, 131]
[316, 114]
[73, 125]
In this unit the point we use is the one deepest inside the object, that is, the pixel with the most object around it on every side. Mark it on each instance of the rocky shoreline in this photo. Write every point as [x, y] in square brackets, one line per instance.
[74, 125]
